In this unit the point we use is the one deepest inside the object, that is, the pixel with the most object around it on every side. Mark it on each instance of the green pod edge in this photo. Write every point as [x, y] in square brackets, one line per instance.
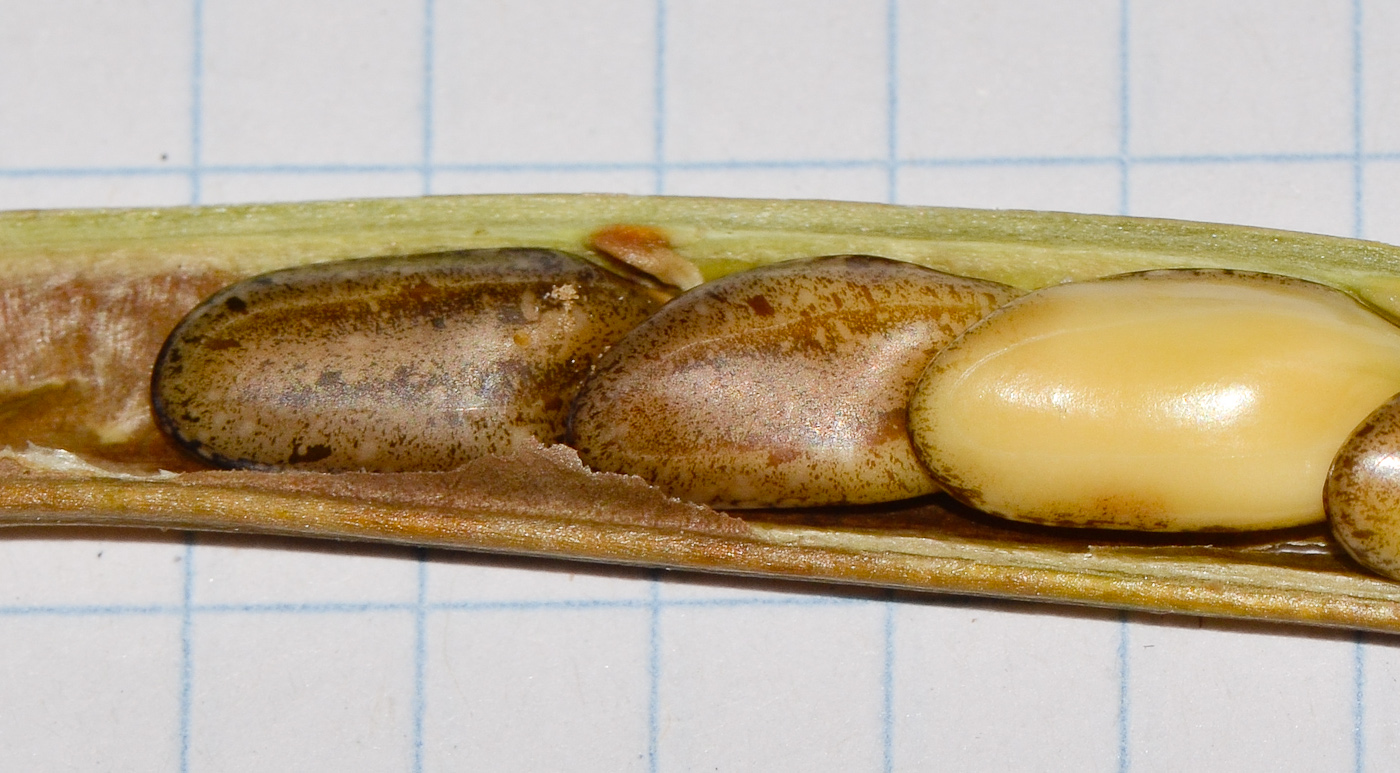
[1021, 248]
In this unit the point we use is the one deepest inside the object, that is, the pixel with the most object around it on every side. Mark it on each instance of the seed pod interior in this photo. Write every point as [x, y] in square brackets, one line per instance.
[415, 363]
[59, 262]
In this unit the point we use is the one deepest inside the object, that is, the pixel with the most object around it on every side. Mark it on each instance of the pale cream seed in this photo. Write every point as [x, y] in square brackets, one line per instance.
[1164, 400]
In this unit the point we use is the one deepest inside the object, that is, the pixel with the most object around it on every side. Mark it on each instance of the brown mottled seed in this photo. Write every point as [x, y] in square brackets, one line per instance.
[781, 386]
[390, 364]
[1163, 400]
[1363, 491]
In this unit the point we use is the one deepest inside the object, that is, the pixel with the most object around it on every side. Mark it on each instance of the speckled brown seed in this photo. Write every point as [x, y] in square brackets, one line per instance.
[405, 363]
[782, 386]
[1363, 491]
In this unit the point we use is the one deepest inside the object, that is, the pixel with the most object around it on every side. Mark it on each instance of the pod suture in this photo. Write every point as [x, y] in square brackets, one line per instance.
[563, 509]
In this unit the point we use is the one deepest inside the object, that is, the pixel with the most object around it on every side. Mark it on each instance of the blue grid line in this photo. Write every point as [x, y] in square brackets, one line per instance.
[1348, 157]
[1004, 161]
[104, 171]
[91, 610]
[1125, 119]
[1245, 158]
[653, 604]
[420, 658]
[659, 601]
[1358, 740]
[196, 101]
[892, 99]
[196, 128]
[429, 53]
[658, 128]
[420, 611]
[364, 607]
[1357, 122]
[887, 683]
[1124, 705]
[186, 651]
[564, 604]
[315, 608]
[892, 86]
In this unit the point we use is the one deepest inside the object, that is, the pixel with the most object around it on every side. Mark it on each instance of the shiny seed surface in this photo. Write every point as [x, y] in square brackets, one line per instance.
[785, 385]
[405, 363]
[1363, 491]
[1165, 400]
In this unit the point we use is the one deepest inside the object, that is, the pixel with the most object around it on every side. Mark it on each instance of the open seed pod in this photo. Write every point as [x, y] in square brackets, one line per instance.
[101, 290]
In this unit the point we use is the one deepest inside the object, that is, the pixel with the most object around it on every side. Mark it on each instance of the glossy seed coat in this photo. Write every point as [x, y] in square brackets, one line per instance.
[406, 363]
[1164, 400]
[781, 386]
[1363, 491]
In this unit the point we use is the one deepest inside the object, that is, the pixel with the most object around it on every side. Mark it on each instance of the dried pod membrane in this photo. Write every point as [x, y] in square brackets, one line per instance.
[1162, 400]
[782, 386]
[390, 364]
[1363, 491]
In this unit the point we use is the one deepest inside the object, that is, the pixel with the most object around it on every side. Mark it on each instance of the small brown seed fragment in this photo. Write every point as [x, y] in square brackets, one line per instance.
[648, 250]
[1363, 491]
[1163, 401]
[781, 386]
[389, 364]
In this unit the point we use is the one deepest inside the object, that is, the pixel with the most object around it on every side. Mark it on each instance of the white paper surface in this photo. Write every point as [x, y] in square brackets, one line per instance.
[151, 652]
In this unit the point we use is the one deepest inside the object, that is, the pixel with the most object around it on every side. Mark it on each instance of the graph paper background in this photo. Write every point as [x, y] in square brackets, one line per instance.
[169, 652]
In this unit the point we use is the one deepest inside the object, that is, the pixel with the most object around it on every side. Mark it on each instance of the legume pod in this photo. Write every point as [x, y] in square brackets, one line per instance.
[86, 297]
